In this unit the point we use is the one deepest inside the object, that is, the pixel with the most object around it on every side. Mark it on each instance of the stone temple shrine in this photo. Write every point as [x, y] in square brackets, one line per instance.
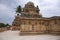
[30, 21]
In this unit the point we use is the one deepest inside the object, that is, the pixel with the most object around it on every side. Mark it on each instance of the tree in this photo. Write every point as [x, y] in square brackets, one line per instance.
[2, 25]
[7, 25]
[19, 9]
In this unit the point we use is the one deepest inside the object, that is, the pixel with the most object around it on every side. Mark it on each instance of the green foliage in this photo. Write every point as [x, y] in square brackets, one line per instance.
[3, 25]
[7, 24]
[19, 9]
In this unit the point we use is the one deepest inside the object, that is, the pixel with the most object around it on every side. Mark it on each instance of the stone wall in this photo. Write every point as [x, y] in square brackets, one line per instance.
[41, 26]
[55, 26]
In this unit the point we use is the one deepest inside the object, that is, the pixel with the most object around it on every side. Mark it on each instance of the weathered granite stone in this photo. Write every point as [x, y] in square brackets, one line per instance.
[30, 22]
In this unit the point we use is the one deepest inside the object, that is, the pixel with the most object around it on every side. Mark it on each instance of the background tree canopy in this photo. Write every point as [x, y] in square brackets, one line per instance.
[19, 9]
[3, 25]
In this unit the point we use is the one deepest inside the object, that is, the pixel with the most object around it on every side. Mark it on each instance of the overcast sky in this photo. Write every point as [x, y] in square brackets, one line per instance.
[48, 8]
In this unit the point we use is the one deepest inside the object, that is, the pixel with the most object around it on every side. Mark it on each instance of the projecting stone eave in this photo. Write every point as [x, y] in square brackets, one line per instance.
[43, 18]
[55, 17]
[35, 18]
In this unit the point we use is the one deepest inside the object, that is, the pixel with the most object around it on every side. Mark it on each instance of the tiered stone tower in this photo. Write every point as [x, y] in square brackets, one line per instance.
[30, 22]
[30, 11]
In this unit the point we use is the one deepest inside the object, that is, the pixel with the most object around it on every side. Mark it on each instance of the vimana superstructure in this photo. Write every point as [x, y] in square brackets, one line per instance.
[30, 21]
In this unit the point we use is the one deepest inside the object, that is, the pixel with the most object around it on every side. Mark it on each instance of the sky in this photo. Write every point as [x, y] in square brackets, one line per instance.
[48, 8]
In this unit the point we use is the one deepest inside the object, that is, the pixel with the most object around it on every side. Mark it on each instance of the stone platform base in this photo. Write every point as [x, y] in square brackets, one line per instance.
[57, 33]
[38, 33]
[31, 33]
